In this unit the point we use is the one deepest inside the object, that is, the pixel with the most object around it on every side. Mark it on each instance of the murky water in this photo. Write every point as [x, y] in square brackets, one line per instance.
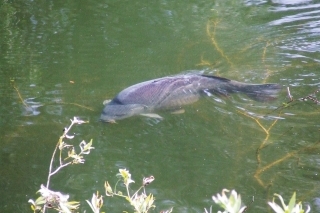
[63, 59]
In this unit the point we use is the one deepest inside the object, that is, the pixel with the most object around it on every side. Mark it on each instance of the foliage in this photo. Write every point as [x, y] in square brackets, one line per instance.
[292, 207]
[96, 203]
[232, 204]
[55, 199]
[139, 200]
[58, 201]
[142, 202]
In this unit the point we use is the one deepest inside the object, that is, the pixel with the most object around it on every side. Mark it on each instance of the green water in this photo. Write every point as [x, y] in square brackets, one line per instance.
[64, 58]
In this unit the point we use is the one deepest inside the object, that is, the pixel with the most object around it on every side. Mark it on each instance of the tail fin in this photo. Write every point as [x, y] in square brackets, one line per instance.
[261, 92]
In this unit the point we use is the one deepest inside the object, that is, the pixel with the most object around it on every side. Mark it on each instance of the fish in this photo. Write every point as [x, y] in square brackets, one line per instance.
[174, 92]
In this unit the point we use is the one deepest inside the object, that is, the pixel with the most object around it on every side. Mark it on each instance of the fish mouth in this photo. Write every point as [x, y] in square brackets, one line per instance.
[113, 112]
[110, 121]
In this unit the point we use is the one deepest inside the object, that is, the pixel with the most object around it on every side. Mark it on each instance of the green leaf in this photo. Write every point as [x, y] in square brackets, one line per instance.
[292, 202]
[108, 189]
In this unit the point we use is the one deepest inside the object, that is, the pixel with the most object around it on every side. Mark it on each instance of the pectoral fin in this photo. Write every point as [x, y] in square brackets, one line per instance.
[152, 115]
[178, 111]
[105, 102]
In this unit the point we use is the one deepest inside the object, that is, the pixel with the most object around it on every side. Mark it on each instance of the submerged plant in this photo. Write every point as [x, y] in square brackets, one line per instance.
[292, 207]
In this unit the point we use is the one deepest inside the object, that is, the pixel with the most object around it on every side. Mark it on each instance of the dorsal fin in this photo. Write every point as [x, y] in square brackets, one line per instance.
[216, 77]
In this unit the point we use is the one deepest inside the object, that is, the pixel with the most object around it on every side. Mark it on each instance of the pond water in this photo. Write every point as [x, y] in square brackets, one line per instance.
[61, 59]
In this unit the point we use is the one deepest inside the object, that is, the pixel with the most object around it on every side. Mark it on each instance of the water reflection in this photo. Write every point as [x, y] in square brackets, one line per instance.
[303, 16]
[303, 20]
[291, 2]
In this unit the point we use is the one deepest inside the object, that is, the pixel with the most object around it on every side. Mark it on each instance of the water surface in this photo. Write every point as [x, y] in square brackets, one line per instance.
[63, 59]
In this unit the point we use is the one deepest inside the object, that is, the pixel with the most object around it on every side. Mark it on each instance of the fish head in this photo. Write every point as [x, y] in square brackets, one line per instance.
[113, 112]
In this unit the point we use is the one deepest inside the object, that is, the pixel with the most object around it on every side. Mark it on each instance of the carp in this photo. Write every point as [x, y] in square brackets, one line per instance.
[173, 92]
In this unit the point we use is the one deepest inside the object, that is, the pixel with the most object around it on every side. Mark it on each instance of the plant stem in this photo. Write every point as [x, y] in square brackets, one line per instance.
[136, 192]
[60, 167]
[55, 150]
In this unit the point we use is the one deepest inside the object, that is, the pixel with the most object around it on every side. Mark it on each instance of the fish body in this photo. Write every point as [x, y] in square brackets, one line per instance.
[173, 92]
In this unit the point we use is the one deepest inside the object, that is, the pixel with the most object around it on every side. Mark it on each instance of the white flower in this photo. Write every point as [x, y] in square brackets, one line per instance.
[142, 203]
[51, 195]
[85, 147]
[77, 120]
[54, 199]
[125, 174]
[292, 207]
[147, 180]
[231, 204]
[96, 203]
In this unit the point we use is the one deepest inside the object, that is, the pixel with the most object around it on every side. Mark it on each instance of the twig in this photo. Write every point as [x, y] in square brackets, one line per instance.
[60, 167]
[64, 135]
[289, 94]
[66, 130]
[18, 92]
[60, 142]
